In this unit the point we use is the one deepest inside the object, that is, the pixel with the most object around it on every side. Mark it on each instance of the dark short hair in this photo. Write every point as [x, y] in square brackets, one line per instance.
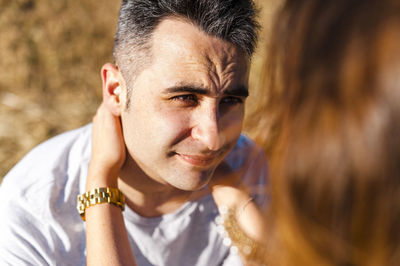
[231, 20]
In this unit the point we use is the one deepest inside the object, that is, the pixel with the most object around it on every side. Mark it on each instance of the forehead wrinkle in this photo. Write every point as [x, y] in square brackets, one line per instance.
[212, 73]
[223, 71]
[215, 63]
[229, 73]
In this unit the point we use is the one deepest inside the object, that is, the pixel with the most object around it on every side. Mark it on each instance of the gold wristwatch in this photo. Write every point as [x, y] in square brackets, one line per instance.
[99, 196]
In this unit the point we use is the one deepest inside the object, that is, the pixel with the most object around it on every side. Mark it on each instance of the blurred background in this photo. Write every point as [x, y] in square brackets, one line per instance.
[51, 53]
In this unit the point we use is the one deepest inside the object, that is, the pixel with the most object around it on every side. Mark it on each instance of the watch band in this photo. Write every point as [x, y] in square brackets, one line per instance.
[99, 196]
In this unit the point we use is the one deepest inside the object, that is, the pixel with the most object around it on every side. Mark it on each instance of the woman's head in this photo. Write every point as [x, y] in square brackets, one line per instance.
[335, 103]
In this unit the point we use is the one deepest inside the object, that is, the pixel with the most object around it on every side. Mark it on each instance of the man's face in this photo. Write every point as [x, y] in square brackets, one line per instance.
[187, 106]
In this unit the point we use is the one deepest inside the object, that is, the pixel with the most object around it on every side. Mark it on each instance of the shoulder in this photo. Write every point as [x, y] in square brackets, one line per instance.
[48, 166]
[51, 152]
[38, 197]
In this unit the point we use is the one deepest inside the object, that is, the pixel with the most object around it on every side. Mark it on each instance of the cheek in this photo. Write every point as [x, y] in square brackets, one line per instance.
[156, 127]
[138, 129]
[173, 125]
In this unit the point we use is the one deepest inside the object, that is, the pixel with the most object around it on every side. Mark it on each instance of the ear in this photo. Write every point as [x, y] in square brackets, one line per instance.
[113, 86]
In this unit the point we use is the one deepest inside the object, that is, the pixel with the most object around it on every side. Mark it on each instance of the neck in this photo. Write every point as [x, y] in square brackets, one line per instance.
[148, 197]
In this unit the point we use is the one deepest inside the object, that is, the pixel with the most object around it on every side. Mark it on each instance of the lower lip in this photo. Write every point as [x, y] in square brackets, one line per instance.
[196, 161]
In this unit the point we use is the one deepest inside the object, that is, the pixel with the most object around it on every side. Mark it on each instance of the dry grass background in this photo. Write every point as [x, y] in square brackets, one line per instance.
[51, 52]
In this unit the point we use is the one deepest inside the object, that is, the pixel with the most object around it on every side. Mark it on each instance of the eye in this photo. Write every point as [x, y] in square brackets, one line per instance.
[186, 99]
[231, 100]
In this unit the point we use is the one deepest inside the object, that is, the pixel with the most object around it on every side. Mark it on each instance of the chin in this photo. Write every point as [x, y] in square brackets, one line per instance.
[192, 187]
[193, 183]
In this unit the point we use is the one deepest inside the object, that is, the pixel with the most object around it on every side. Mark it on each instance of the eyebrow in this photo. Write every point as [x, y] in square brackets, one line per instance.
[240, 91]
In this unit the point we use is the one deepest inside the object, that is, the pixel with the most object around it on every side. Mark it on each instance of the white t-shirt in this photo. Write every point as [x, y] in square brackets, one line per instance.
[40, 225]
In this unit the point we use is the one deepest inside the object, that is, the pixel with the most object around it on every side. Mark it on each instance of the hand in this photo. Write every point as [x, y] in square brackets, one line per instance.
[228, 191]
[227, 188]
[108, 149]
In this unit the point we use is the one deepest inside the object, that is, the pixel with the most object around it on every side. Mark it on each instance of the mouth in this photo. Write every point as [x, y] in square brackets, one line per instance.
[198, 160]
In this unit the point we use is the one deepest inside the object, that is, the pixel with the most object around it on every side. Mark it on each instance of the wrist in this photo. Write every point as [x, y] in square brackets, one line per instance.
[101, 178]
[97, 196]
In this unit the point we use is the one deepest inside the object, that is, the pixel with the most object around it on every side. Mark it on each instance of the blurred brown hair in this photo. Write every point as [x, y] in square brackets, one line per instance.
[333, 117]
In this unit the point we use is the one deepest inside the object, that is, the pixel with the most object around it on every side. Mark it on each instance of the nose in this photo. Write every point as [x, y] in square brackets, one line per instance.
[206, 129]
